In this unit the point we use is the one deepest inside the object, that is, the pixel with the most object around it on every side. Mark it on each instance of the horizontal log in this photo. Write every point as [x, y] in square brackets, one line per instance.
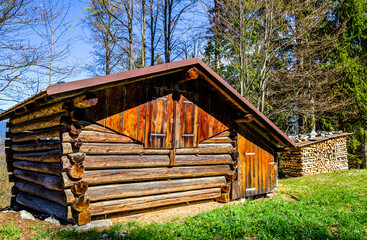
[217, 140]
[207, 149]
[51, 168]
[98, 177]
[114, 191]
[42, 205]
[47, 156]
[117, 148]
[97, 137]
[122, 161]
[42, 192]
[88, 126]
[40, 146]
[42, 112]
[192, 160]
[48, 181]
[143, 161]
[112, 148]
[40, 123]
[139, 203]
[53, 132]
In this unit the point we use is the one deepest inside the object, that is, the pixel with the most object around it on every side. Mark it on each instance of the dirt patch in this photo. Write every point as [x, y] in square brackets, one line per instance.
[289, 198]
[29, 228]
[168, 214]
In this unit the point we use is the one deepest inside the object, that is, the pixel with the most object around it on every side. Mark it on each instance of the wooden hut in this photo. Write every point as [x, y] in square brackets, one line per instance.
[162, 135]
[321, 154]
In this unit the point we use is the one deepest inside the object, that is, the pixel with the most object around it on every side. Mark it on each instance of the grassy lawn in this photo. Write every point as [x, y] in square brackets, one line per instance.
[326, 206]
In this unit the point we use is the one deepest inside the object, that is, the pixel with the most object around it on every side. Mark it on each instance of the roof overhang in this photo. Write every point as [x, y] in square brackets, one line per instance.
[263, 125]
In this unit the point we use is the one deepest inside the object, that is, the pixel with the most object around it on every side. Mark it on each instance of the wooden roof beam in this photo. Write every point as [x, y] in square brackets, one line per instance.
[247, 118]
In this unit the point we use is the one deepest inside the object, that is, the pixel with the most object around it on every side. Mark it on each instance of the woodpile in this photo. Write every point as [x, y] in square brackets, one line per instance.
[314, 157]
[74, 169]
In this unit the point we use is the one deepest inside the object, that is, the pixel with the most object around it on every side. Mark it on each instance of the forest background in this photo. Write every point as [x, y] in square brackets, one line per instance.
[302, 63]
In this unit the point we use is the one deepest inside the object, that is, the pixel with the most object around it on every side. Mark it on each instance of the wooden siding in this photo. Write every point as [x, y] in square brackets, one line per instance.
[256, 170]
[154, 118]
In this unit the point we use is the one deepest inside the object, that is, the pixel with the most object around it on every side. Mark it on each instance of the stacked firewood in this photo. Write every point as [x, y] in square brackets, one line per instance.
[318, 157]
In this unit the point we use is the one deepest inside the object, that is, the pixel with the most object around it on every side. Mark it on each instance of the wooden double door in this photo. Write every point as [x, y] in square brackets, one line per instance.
[173, 121]
[257, 170]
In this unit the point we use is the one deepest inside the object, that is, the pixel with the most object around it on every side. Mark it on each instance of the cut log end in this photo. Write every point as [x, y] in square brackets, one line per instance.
[75, 129]
[82, 218]
[224, 198]
[76, 157]
[226, 188]
[76, 171]
[231, 176]
[247, 118]
[81, 203]
[79, 188]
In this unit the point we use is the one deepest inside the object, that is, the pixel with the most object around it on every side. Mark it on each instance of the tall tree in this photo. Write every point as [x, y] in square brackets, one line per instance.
[108, 54]
[54, 23]
[173, 12]
[17, 53]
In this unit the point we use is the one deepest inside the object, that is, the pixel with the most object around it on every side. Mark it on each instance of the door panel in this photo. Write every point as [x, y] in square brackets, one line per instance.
[161, 121]
[186, 124]
[255, 172]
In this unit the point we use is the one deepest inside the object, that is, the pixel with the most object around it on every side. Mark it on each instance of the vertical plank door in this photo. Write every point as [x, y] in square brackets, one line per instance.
[256, 170]
[160, 122]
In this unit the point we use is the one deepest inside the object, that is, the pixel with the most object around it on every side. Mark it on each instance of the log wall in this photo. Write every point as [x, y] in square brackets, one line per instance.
[320, 157]
[66, 165]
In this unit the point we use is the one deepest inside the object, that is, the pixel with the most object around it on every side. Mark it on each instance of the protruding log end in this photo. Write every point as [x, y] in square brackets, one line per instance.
[226, 188]
[77, 143]
[82, 218]
[247, 118]
[235, 155]
[76, 171]
[193, 73]
[231, 176]
[224, 198]
[75, 129]
[77, 157]
[234, 166]
[12, 178]
[85, 100]
[79, 188]
[81, 203]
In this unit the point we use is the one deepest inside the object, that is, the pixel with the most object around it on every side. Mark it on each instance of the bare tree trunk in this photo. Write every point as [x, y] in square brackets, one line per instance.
[130, 17]
[216, 36]
[143, 35]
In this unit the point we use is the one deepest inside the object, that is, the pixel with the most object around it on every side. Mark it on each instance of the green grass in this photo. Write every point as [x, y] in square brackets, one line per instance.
[328, 206]
[10, 232]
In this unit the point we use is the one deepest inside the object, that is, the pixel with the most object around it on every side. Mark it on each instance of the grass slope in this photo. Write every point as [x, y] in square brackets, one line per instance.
[326, 206]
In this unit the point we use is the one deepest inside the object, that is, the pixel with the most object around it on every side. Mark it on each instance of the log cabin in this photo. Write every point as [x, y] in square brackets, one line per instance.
[162, 135]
